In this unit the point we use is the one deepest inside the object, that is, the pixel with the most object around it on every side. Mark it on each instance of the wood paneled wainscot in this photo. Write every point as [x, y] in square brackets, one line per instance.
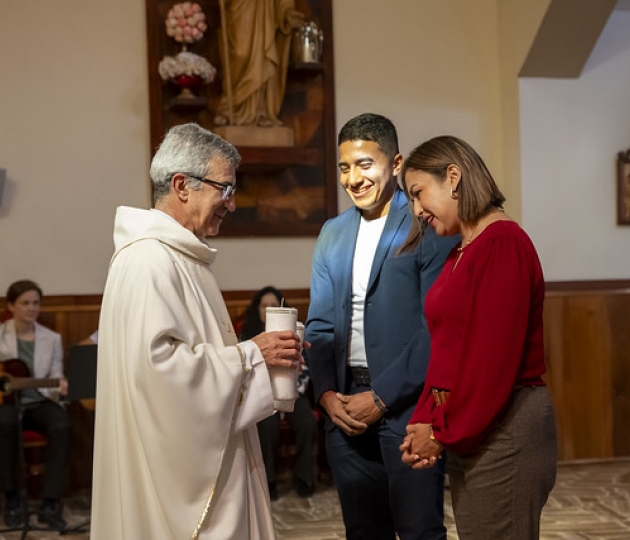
[587, 340]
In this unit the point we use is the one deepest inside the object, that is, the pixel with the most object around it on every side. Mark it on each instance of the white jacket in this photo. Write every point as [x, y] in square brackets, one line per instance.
[47, 357]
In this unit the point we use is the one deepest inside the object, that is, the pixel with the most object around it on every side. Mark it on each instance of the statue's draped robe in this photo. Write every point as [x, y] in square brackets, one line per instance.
[259, 39]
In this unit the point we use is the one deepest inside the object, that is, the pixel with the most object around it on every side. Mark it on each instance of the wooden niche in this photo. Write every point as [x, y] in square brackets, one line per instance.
[282, 191]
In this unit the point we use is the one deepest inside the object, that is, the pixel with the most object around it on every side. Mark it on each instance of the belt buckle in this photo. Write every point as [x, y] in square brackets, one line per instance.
[361, 376]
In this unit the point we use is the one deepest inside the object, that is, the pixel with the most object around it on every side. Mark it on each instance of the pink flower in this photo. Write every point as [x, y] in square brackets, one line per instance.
[185, 22]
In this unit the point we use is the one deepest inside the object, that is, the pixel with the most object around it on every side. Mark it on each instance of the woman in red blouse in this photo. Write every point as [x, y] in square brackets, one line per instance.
[484, 397]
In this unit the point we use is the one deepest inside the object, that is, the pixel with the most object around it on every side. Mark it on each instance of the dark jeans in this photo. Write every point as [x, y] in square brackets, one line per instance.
[304, 424]
[49, 419]
[380, 495]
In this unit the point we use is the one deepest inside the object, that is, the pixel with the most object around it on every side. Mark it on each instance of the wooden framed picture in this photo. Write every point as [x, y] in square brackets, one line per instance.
[623, 188]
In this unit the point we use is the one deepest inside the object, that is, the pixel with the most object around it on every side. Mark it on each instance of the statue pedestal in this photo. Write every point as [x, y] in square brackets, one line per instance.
[256, 135]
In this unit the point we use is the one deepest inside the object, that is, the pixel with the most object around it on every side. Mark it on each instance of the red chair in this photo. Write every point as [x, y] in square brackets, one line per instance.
[34, 458]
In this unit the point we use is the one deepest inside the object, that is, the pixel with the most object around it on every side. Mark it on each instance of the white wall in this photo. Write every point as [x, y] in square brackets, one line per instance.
[74, 124]
[571, 132]
[431, 67]
[519, 21]
[74, 134]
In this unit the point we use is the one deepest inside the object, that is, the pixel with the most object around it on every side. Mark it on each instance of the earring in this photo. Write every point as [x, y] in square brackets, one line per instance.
[454, 195]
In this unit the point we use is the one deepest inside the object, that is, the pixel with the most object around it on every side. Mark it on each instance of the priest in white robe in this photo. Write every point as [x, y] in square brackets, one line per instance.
[176, 448]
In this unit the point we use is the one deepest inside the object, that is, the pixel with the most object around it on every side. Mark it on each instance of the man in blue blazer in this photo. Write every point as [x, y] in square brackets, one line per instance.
[369, 342]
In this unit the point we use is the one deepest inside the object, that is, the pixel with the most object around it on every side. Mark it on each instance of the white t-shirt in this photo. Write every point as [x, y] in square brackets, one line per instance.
[367, 241]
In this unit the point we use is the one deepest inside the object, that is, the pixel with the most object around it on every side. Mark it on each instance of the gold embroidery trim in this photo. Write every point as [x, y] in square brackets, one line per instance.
[195, 533]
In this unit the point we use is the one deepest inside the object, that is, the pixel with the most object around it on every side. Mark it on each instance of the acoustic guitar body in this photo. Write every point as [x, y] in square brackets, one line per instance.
[15, 368]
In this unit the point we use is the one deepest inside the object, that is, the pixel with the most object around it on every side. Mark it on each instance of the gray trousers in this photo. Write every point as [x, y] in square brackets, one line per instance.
[499, 491]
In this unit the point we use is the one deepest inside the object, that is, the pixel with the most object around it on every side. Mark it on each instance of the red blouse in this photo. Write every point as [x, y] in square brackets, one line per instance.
[485, 316]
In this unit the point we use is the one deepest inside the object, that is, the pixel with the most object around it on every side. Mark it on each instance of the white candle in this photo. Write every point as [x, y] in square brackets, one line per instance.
[283, 380]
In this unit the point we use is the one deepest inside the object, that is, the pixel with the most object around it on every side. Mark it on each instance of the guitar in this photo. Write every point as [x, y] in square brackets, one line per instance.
[15, 375]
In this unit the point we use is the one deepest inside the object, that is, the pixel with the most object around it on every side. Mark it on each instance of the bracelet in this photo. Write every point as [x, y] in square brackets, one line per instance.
[379, 402]
[431, 436]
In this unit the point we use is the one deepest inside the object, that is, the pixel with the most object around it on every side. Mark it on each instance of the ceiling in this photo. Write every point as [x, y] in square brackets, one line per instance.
[567, 35]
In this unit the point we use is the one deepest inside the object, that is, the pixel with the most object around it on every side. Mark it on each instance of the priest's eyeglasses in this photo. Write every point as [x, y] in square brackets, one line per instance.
[227, 189]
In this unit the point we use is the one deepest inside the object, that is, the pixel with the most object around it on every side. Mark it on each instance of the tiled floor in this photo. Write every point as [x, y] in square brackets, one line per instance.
[591, 501]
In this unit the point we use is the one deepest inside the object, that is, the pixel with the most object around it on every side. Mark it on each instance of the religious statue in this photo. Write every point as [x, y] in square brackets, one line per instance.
[256, 38]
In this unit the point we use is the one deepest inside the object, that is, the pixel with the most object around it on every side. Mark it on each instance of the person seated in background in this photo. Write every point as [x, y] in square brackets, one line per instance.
[302, 419]
[22, 337]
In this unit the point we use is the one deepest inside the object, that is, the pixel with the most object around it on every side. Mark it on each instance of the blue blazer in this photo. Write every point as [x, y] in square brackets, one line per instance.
[397, 341]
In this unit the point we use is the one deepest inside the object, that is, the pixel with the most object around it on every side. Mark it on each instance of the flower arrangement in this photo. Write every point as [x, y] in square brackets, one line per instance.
[188, 64]
[186, 22]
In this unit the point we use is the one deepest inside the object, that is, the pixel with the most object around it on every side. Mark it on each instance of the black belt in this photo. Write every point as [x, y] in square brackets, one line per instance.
[360, 376]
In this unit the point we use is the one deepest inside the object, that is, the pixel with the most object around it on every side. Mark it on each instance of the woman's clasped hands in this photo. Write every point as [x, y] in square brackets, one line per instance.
[419, 450]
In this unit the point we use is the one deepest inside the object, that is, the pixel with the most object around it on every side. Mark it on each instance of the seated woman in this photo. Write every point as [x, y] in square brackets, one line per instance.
[301, 419]
[40, 349]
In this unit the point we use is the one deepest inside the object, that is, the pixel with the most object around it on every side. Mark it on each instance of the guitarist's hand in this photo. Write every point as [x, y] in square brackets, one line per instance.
[63, 387]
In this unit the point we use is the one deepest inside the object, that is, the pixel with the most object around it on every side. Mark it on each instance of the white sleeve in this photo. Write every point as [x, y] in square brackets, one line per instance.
[257, 397]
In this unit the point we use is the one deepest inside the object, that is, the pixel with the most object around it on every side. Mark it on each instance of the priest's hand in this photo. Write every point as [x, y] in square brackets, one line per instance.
[280, 349]
[335, 407]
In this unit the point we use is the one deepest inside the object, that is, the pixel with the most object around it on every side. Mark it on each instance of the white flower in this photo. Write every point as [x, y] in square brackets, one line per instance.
[186, 63]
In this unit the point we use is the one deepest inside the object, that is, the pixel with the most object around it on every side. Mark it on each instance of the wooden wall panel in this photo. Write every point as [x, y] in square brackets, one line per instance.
[587, 337]
[579, 375]
[620, 372]
[76, 317]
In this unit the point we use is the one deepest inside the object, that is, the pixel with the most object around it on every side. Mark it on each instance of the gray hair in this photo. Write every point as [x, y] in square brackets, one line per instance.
[188, 149]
